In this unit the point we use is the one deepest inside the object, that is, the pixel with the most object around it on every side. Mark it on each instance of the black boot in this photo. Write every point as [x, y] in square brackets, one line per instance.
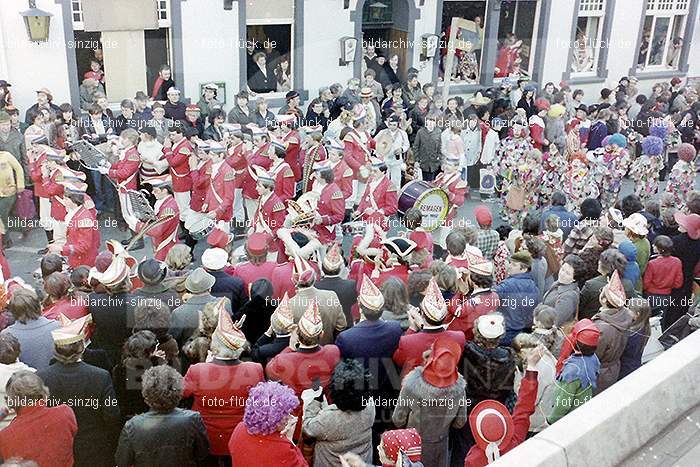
[49, 239]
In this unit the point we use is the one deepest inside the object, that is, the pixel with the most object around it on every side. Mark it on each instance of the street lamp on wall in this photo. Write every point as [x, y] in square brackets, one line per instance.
[429, 46]
[37, 22]
[348, 49]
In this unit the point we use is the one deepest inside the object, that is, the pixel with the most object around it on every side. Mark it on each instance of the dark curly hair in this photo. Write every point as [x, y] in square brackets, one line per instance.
[162, 387]
[349, 388]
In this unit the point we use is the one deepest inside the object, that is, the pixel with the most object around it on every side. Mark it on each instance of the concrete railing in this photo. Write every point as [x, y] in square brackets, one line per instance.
[619, 421]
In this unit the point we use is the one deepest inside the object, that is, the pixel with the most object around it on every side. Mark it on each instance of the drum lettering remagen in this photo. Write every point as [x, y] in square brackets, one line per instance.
[431, 200]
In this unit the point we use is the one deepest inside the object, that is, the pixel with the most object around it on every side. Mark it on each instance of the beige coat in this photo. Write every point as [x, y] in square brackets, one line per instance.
[328, 306]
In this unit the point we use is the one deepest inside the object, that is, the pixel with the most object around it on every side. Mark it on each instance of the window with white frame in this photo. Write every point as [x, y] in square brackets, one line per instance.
[589, 34]
[270, 45]
[663, 34]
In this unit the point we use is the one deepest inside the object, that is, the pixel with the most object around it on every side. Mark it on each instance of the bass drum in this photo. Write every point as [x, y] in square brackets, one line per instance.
[431, 200]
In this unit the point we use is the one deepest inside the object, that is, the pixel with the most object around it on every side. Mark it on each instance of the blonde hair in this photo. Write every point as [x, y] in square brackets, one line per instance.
[178, 257]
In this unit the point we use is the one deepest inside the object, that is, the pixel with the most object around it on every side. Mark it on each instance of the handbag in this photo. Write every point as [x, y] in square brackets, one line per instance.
[24, 206]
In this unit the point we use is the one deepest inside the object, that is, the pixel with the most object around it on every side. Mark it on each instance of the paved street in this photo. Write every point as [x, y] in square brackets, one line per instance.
[24, 260]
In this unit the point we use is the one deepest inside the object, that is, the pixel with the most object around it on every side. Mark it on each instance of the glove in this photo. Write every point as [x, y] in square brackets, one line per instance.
[307, 395]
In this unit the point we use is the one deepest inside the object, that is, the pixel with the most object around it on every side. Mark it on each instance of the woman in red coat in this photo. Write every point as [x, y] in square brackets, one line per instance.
[261, 440]
[27, 395]
[220, 387]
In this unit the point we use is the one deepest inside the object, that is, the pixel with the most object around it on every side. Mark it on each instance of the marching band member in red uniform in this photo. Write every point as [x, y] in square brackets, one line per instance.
[368, 253]
[125, 171]
[536, 123]
[260, 157]
[83, 234]
[237, 154]
[285, 184]
[342, 173]
[312, 153]
[270, 213]
[292, 142]
[412, 344]
[218, 202]
[154, 165]
[380, 196]
[450, 180]
[358, 146]
[257, 266]
[400, 250]
[40, 173]
[177, 150]
[330, 210]
[200, 168]
[59, 173]
[163, 236]
[298, 243]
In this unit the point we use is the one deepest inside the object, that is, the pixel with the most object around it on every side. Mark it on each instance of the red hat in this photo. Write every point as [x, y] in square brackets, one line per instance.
[563, 85]
[492, 427]
[483, 215]
[690, 223]
[542, 104]
[257, 243]
[407, 440]
[572, 124]
[220, 236]
[440, 369]
[686, 152]
[586, 332]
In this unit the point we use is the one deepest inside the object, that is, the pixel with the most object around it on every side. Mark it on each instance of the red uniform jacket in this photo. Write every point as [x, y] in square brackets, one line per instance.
[285, 184]
[263, 450]
[37, 178]
[57, 424]
[200, 186]
[281, 279]
[82, 239]
[400, 271]
[124, 170]
[479, 303]
[237, 159]
[412, 345]
[524, 408]
[219, 195]
[228, 384]
[70, 307]
[331, 207]
[269, 217]
[298, 369]
[178, 157]
[164, 235]
[356, 153]
[54, 190]
[258, 158]
[382, 198]
[249, 272]
[455, 188]
[342, 175]
[537, 131]
[291, 140]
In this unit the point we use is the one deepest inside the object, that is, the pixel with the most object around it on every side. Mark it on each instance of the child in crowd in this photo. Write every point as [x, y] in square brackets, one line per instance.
[663, 274]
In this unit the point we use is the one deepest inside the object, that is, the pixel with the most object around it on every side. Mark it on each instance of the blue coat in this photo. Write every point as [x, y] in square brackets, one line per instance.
[567, 219]
[518, 296]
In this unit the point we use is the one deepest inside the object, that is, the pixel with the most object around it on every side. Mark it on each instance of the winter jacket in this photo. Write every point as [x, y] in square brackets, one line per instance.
[613, 324]
[518, 296]
[663, 274]
[589, 301]
[564, 299]
[426, 149]
[554, 132]
[431, 411]
[632, 272]
[546, 376]
[575, 384]
[489, 372]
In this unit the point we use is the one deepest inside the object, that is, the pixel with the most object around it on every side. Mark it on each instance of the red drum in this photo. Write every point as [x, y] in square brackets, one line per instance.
[431, 200]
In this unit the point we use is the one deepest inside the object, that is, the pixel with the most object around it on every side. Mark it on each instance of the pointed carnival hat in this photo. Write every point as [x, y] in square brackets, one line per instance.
[479, 265]
[230, 335]
[119, 268]
[333, 260]
[71, 332]
[370, 296]
[302, 272]
[433, 304]
[310, 324]
[614, 291]
[282, 318]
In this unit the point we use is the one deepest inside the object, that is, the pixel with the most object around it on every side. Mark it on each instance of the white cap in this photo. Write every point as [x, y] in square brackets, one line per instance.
[214, 259]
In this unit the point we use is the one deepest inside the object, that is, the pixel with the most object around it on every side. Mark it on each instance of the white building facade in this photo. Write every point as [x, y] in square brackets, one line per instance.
[588, 43]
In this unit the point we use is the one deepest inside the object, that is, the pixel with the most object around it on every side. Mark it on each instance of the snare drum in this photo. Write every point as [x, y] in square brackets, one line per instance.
[198, 225]
[431, 200]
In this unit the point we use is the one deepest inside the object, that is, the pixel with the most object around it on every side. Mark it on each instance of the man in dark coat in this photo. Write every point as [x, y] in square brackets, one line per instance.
[89, 392]
[214, 261]
[44, 100]
[345, 289]
[276, 338]
[263, 79]
[241, 113]
[152, 273]
[174, 108]
[518, 296]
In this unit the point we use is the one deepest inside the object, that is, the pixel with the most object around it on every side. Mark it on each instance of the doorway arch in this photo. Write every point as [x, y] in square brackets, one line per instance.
[386, 22]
